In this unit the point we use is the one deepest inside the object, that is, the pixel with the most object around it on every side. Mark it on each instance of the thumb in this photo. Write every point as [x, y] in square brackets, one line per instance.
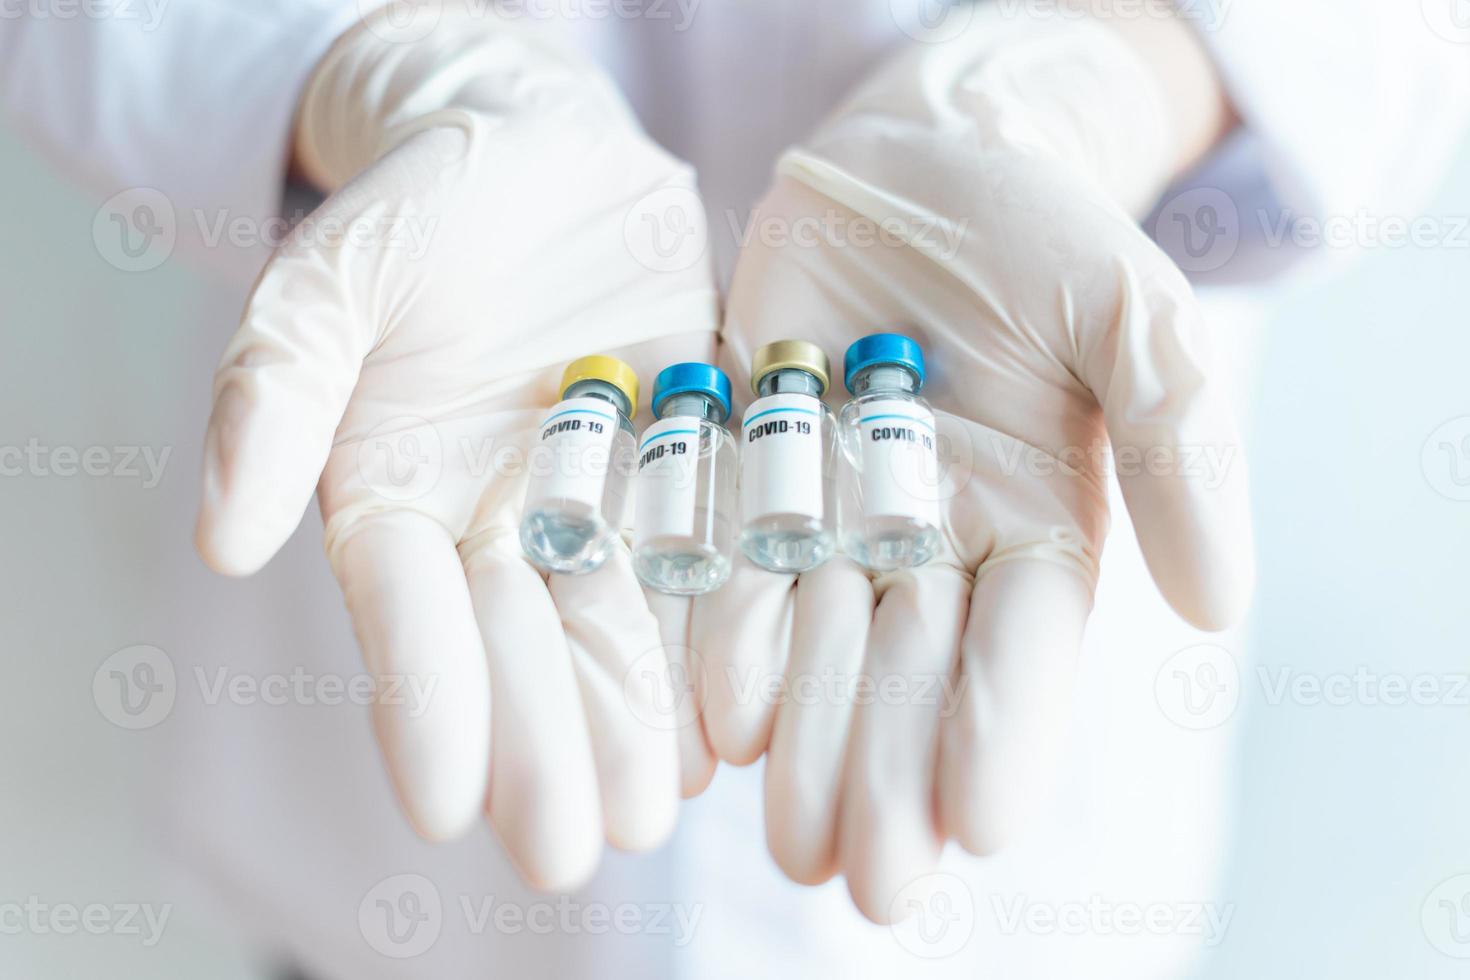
[289, 371]
[1175, 448]
[279, 395]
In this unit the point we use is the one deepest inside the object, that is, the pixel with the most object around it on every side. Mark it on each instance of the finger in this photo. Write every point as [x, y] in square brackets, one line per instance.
[888, 829]
[412, 615]
[543, 786]
[687, 691]
[1175, 447]
[1005, 720]
[809, 738]
[612, 635]
[742, 632]
[279, 395]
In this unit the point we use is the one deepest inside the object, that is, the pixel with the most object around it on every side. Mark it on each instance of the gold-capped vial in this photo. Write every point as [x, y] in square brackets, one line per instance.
[799, 355]
[600, 367]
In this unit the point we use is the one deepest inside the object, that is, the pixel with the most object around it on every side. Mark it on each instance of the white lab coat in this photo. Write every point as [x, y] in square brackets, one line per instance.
[282, 816]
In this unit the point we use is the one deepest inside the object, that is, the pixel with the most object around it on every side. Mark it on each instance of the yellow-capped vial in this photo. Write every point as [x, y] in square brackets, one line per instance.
[788, 449]
[580, 465]
[603, 371]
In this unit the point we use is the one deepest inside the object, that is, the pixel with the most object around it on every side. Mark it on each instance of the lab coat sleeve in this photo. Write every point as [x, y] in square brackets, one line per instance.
[189, 98]
[1353, 105]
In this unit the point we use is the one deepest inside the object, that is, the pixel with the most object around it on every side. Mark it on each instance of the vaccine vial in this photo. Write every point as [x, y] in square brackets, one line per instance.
[580, 466]
[888, 511]
[788, 443]
[683, 532]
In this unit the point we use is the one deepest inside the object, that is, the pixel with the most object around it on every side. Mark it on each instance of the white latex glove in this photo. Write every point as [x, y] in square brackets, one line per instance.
[1003, 167]
[485, 179]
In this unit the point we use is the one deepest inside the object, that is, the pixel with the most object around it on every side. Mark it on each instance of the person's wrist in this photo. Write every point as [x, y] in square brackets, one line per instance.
[1052, 84]
[1131, 97]
[380, 82]
[1197, 105]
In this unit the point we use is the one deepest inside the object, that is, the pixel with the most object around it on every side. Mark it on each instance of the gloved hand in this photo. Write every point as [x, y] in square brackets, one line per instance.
[396, 357]
[977, 195]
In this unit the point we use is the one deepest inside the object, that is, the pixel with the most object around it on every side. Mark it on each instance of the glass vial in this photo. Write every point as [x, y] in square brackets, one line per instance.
[580, 467]
[787, 495]
[683, 534]
[888, 511]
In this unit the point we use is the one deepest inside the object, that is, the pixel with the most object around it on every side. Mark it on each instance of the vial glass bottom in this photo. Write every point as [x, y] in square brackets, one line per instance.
[681, 566]
[889, 543]
[568, 538]
[787, 542]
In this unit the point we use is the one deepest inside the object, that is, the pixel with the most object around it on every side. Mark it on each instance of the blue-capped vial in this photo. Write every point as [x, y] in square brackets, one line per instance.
[887, 504]
[683, 531]
[788, 443]
[580, 466]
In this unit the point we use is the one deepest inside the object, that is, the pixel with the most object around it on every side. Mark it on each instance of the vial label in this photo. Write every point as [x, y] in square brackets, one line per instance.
[899, 472]
[668, 470]
[781, 464]
[574, 452]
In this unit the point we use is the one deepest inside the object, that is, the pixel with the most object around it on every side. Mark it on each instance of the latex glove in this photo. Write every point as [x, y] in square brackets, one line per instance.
[976, 194]
[487, 198]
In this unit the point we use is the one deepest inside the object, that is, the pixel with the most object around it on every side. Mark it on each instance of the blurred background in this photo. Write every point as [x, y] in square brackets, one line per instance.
[1349, 853]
